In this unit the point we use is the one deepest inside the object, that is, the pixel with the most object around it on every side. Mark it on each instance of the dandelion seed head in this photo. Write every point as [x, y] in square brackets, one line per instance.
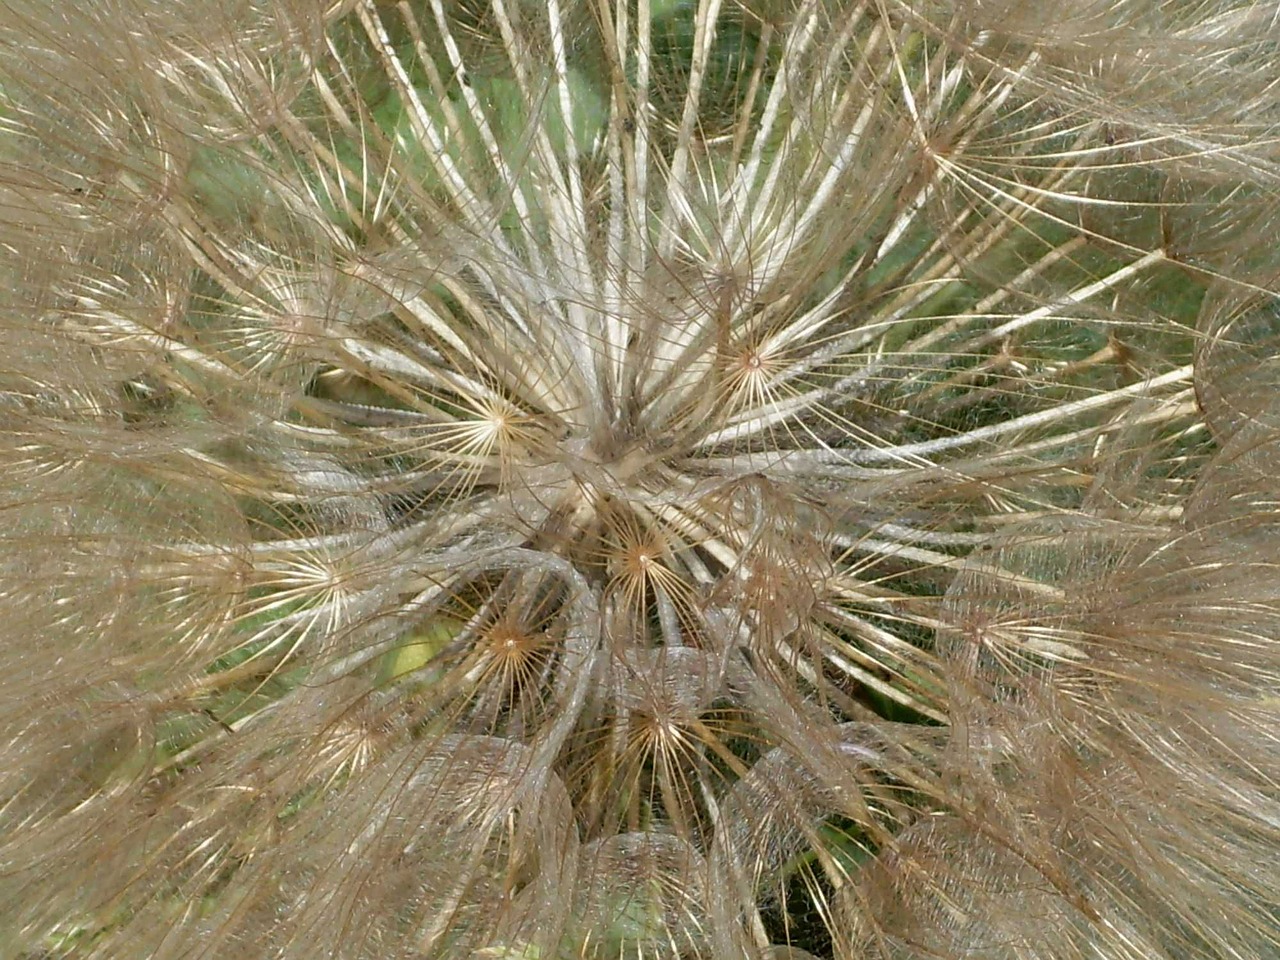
[662, 479]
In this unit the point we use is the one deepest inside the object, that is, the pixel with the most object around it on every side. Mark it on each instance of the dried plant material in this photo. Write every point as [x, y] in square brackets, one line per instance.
[671, 479]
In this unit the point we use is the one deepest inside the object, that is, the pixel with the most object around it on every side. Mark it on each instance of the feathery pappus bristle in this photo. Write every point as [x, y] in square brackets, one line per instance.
[655, 479]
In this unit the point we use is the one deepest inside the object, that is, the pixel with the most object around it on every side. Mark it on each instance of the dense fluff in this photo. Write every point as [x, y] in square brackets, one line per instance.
[661, 479]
